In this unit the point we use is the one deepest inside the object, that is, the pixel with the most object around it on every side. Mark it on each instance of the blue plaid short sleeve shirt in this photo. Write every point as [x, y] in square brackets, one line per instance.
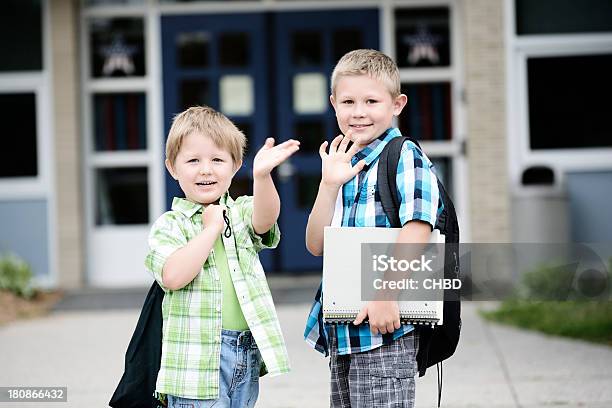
[361, 207]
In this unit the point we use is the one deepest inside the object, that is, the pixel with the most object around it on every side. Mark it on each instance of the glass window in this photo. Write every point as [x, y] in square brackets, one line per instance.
[310, 93]
[122, 196]
[237, 95]
[569, 101]
[346, 40]
[234, 49]
[307, 188]
[120, 122]
[117, 47]
[563, 16]
[241, 186]
[21, 35]
[245, 127]
[443, 170]
[19, 145]
[194, 92]
[422, 37]
[310, 134]
[306, 48]
[193, 49]
[427, 115]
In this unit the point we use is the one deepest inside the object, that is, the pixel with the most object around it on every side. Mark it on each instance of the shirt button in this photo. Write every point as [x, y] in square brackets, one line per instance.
[218, 308]
[217, 339]
[217, 277]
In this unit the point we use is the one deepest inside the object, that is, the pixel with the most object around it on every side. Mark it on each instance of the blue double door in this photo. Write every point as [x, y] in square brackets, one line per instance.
[269, 73]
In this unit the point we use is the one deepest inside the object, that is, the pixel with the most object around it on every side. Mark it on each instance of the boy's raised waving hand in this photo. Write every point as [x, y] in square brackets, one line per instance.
[266, 203]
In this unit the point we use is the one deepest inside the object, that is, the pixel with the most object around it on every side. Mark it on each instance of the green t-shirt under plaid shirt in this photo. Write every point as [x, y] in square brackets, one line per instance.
[191, 340]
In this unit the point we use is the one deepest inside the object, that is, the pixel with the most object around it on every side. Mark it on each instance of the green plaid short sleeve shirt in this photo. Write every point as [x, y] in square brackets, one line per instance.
[191, 340]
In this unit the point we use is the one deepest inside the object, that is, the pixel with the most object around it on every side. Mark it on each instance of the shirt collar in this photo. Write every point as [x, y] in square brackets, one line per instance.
[189, 208]
[372, 150]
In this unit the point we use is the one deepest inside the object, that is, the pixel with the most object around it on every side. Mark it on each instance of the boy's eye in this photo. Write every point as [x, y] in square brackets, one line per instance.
[192, 161]
[372, 101]
[348, 102]
[216, 159]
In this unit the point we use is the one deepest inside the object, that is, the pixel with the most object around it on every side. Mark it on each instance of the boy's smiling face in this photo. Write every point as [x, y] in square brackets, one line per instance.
[364, 107]
[203, 169]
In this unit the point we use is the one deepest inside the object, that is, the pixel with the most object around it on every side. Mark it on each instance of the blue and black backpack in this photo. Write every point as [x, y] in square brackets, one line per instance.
[440, 342]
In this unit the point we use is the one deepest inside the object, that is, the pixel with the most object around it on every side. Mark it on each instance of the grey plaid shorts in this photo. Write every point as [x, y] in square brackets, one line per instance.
[383, 377]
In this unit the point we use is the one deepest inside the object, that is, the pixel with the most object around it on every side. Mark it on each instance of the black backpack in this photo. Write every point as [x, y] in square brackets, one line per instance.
[438, 343]
[143, 357]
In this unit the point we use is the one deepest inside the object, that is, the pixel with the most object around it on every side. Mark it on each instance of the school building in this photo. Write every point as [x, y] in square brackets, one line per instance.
[510, 99]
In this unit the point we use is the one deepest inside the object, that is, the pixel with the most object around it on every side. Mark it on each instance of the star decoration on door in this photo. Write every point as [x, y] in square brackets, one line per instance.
[118, 56]
[423, 46]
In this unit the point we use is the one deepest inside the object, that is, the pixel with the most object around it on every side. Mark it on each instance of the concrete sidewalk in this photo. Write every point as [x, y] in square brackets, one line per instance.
[494, 366]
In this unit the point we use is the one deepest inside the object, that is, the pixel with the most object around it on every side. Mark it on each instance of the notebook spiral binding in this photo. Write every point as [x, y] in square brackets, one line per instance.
[420, 318]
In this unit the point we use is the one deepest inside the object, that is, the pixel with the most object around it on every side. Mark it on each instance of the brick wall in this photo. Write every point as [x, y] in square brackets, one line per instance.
[67, 160]
[489, 202]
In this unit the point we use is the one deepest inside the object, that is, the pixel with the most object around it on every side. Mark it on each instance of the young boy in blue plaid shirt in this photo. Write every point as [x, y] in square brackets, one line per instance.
[372, 364]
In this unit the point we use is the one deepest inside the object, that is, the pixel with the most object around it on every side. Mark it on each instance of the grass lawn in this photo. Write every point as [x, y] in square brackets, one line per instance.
[586, 320]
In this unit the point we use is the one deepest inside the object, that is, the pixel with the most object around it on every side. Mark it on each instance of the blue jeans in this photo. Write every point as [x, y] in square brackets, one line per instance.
[238, 376]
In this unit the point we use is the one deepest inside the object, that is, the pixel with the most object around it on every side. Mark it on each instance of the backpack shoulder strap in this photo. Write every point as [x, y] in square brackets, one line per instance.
[386, 178]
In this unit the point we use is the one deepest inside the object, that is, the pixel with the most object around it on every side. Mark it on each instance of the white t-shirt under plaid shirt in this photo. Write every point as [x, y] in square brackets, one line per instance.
[191, 339]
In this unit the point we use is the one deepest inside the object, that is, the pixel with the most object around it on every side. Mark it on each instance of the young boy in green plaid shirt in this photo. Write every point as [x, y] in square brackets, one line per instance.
[220, 328]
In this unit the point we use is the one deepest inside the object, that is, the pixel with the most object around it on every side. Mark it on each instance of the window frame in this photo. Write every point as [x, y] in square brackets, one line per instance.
[17, 188]
[519, 49]
[454, 75]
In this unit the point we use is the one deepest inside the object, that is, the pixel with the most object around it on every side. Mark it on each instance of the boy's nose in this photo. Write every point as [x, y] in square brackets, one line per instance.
[205, 169]
[358, 110]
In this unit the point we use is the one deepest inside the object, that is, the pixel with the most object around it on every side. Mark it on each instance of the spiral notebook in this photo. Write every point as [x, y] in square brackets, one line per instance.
[342, 276]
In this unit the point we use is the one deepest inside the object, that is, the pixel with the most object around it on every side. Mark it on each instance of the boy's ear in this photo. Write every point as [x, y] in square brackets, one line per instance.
[399, 104]
[333, 101]
[170, 169]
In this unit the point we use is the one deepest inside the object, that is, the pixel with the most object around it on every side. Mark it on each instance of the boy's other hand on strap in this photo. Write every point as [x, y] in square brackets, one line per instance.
[383, 316]
[336, 165]
[212, 217]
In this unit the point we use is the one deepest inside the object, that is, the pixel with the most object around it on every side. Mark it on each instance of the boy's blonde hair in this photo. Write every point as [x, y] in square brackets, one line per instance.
[205, 121]
[368, 62]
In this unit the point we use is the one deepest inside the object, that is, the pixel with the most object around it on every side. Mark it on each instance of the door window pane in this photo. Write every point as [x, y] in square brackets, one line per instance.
[561, 17]
[122, 196]
[117, 47]
[306, 48]
[21, 35]
[19, 145]
[310, 135]
[307, 188]
[234, 49]
[310, 93]
[569, 101]
[194, 92]
[245, 127]
[193, 49]
[427, 115]
[237, 95]
[120, 122]
[241, 186]
[444, 171]
[422, 37]
[346, 40]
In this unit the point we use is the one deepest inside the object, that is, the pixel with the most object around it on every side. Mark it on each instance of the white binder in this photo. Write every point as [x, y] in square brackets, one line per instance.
[342, 276]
